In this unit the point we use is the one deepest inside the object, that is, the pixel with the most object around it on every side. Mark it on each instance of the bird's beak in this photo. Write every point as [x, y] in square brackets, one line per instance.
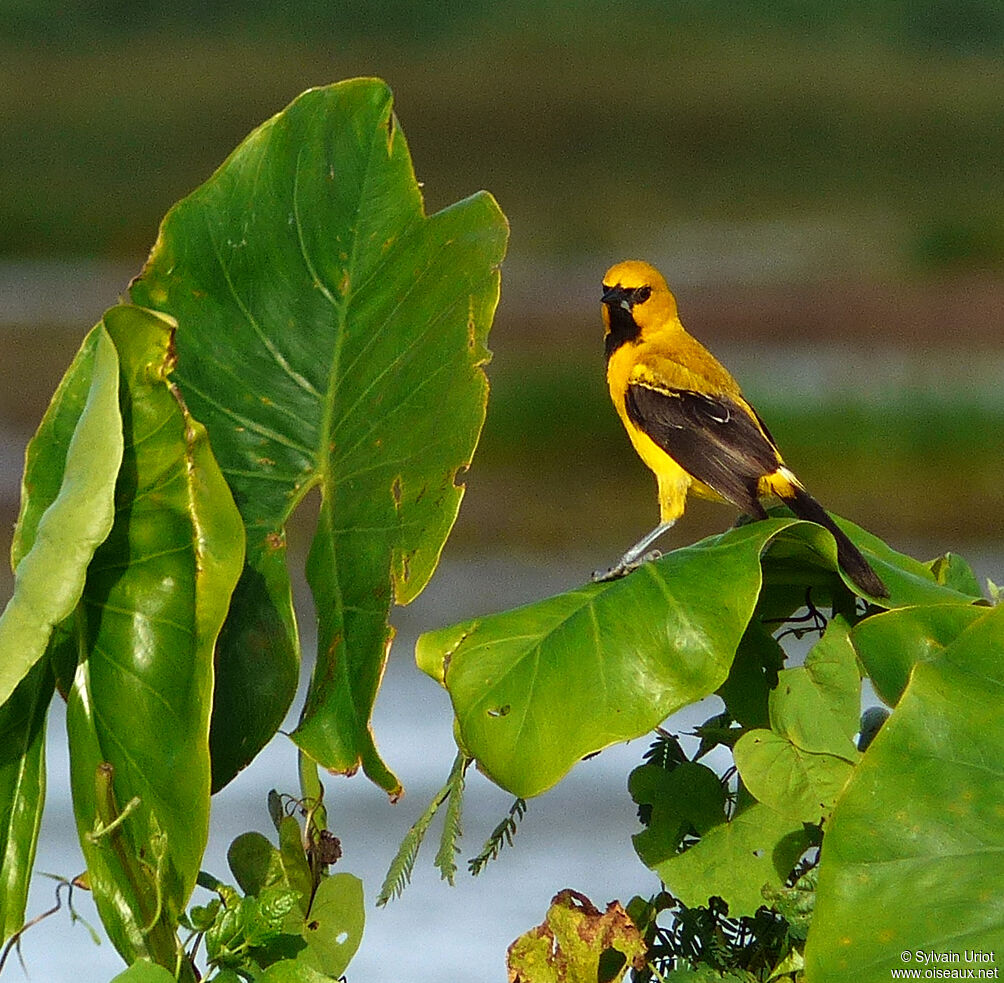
[616, 296]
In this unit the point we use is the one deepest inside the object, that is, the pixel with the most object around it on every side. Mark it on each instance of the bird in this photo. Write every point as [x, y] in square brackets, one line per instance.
[690, 423]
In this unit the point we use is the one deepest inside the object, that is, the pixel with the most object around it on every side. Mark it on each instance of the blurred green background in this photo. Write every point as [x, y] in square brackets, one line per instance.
[820, 181]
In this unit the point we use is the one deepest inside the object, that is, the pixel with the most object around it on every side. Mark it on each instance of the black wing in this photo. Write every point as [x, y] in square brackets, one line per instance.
[713, 438]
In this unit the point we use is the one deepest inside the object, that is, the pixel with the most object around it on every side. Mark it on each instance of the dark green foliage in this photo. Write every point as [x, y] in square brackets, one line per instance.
[329, 335]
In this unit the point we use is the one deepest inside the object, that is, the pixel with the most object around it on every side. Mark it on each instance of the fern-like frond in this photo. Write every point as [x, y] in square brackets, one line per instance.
[449, 845]
[399, 873]
[501, 836]
[666, 751]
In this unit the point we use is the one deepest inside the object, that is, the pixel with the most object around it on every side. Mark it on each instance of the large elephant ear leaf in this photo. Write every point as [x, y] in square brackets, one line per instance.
[331, 336]
[923, 808]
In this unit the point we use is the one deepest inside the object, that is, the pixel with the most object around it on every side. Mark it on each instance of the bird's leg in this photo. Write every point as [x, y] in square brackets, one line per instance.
[636, 556]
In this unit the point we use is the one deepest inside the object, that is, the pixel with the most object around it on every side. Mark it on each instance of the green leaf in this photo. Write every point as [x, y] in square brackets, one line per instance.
[155, 597]
[502, 835]
[66, 511]
[274, 906]
[706, 974]
[334, 927]
[736, 859]
[331, 337]
[688, 798]
[312, 791]
[752, 676]
[144, 971]
[449, 843]
[913, 855]
[294, 860]
[953, 571]
[255, 863]
[66, 508]
[832, 667]
[228, 976]
[793, 782]
[22, 790]
[801, 553]
[399, 873]
[291, 971]
[890, 644]
[817, 706]
[538, 688]
[800, 765]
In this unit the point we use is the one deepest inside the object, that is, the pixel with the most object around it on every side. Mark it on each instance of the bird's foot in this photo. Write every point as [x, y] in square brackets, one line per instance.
[624, 567]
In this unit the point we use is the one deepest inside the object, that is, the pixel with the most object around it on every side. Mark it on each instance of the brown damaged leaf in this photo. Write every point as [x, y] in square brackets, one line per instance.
[570, 944]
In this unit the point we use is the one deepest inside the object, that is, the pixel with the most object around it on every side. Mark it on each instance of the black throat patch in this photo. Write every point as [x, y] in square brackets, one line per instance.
[622, 329]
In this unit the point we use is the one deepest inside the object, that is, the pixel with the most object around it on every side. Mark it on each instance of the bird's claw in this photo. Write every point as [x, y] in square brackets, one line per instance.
[614, 573]
[622, 569]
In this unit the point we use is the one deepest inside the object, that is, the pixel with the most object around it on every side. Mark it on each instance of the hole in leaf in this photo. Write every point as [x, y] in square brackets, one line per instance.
[341, 938]
[499, 711]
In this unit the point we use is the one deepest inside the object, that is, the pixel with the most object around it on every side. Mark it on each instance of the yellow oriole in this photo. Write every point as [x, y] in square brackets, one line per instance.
[689, 422]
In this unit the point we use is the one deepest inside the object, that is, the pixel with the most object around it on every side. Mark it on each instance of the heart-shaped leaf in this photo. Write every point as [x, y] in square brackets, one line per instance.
[331, 337]
[333, 928]
[538, 688]
[817, 706]
[734, 861]
[913, 855]
[800, 784]
[892, 643]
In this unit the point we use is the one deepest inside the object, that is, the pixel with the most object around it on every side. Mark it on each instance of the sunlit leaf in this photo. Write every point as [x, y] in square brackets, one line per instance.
[66, 508]
[333, 928]
[331, 337]
[913, 855]
[537, 688]
[817, 706]
[138, 713]
[953, 571]
[736, 859]
[144, 971]
[891, 644]
[291, 971]
[799, 555]
[796, 783]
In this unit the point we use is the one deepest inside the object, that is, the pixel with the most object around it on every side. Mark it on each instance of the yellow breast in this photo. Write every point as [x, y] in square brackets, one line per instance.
[649, 364]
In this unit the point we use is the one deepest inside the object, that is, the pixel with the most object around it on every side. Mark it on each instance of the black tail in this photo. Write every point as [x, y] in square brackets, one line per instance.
[848, 555]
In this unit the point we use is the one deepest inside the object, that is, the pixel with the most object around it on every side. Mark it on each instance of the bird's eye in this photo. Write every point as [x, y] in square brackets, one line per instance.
[642, 294]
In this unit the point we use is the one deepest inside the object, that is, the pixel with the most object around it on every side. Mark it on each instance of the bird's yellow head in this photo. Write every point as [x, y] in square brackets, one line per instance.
[636, 300]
